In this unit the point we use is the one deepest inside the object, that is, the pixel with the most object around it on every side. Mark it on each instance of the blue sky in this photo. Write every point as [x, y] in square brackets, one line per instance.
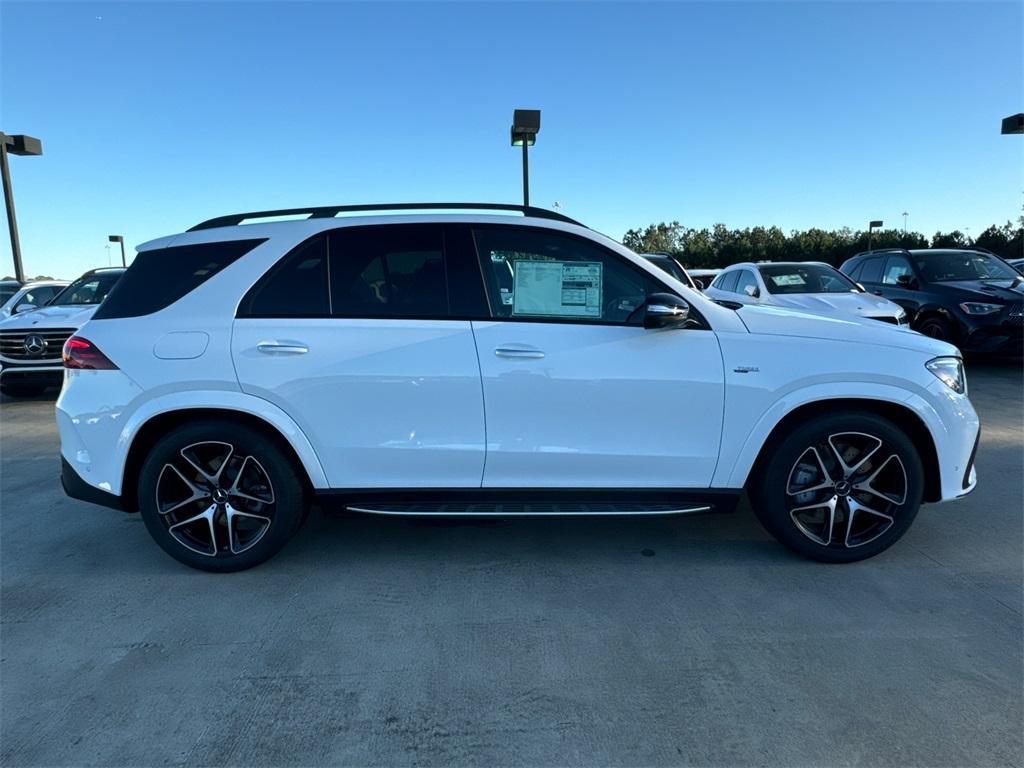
[155, 116]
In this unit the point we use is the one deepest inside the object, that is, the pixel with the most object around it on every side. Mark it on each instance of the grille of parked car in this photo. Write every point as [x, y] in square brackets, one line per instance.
[31, 345]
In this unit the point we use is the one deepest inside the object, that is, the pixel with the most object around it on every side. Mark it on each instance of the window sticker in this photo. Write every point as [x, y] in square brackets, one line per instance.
[785, 280]
[558, 288]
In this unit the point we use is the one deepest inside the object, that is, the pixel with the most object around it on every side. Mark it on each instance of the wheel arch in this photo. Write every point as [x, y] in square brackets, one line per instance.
[929, 311]
[900, 415]
[150, 432]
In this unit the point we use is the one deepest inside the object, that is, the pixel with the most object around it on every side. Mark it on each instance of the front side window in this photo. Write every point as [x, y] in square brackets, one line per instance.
[871, 271]
[805, 278]
[37, 297]
[746, 283]
[90, 289]
[389, 271]
[534, 274]
[895, 267]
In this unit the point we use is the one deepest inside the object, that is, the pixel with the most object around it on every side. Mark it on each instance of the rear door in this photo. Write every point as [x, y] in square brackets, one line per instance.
[578, 394]
[354, 335]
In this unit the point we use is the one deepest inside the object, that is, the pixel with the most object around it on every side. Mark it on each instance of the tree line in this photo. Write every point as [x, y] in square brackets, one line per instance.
[720, 246]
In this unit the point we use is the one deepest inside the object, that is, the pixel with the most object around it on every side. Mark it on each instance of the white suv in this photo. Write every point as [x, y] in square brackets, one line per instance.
[447, 364]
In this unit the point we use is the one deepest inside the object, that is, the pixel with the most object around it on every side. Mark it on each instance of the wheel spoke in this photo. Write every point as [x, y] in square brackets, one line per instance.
[207, 515]
[196, 493]
[232, 515]
[868, 487]
[847, 468]
[853, 509]
[235, 491]
[829, 505]
[827, 483]
[213, 479]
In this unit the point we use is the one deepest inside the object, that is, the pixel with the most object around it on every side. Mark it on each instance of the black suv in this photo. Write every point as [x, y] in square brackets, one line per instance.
[970, 298]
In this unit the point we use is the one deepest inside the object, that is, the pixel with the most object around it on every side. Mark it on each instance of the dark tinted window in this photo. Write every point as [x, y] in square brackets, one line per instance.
[536, 273]
[871, 270]
[388, 271]
[159, 277]
[727, 281]
[88, 289]
[294, 287]
[7, 290]
[945, 266]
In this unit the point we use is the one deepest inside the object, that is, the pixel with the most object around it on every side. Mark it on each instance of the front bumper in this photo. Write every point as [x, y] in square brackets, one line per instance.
[33, 373]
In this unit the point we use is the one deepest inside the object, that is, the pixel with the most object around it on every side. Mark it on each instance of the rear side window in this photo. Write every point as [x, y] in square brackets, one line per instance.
[294, 287]
[871, 271]
[727, 282]
[388, 271]
[159, 277]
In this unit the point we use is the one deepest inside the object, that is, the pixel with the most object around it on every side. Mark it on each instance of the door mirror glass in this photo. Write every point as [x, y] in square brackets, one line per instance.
[665, 310]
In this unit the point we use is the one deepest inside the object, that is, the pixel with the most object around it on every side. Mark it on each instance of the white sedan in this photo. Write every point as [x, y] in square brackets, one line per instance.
[808, 286]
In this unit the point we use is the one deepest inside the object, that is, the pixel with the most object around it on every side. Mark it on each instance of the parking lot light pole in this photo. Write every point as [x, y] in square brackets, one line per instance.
[119, 239]
[872, 225]
[15, 145]
[525, 127]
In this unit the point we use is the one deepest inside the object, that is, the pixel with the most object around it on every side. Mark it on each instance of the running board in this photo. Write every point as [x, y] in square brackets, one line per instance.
[528, 509]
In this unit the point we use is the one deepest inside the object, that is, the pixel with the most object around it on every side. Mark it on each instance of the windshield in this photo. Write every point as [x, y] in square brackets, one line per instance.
[805, 278]
[669, 265]
[90, 289]
[945, 266]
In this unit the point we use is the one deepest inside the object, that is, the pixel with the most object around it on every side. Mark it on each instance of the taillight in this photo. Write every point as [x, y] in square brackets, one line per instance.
[83, 354]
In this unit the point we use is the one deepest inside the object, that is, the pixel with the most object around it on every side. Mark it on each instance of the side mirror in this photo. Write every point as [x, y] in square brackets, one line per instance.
[752, 291]
[665, 310]
[861, 288]
[23, 307]
[906, 281]
[699, 284]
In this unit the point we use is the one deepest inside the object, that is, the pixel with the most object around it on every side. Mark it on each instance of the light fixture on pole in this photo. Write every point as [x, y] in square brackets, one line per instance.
[872, 226]
[15, 145]
[525, 127]
[119, 239]
[1013, 124]
[905, 214]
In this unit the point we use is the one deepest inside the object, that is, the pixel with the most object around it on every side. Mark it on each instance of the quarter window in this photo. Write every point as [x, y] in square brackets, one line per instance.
[295, 287]
[534, 274]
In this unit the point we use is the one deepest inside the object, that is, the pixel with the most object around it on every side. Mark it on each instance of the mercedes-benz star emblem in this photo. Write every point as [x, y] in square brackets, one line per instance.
[34, 345]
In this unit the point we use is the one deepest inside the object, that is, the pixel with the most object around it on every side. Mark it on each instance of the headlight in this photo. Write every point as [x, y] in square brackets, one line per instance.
[979, 308]
[950, 371]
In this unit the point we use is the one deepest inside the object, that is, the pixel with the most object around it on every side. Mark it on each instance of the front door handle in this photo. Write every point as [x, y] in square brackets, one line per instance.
[282, 348]
[519, 353]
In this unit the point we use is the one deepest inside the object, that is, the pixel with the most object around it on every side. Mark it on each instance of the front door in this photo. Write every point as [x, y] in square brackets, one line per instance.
[351, 335]
[578, 394]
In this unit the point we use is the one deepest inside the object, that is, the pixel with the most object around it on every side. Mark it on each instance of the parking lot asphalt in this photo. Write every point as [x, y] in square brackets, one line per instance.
[378, 641]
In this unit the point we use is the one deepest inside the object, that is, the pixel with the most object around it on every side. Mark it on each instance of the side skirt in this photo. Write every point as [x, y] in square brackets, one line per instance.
[519, 502]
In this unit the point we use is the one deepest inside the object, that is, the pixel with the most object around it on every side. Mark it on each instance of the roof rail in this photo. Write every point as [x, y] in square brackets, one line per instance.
[330, 211]
[882, 250]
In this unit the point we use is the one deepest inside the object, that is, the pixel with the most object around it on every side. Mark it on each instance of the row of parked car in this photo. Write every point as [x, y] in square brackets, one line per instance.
[968, 297]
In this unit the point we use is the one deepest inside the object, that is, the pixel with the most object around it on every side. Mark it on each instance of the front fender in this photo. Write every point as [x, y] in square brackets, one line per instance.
[733, 471]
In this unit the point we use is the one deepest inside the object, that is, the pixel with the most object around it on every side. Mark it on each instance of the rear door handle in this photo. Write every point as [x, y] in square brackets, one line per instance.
[519, 353]
[282, 348]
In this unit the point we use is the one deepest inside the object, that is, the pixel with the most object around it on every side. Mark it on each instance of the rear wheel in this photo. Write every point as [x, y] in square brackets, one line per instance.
[220, 496]
[840, 488]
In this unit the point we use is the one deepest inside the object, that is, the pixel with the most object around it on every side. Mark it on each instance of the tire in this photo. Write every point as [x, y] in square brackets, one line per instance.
[15, 389]
[804, 495]
[937, 328]
[220, 496]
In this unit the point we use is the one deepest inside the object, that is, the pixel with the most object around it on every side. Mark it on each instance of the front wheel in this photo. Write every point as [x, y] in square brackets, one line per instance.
[220, 496]
[840, 488]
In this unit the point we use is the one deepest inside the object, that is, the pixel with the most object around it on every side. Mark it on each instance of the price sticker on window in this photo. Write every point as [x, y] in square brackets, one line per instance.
[558, 288]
